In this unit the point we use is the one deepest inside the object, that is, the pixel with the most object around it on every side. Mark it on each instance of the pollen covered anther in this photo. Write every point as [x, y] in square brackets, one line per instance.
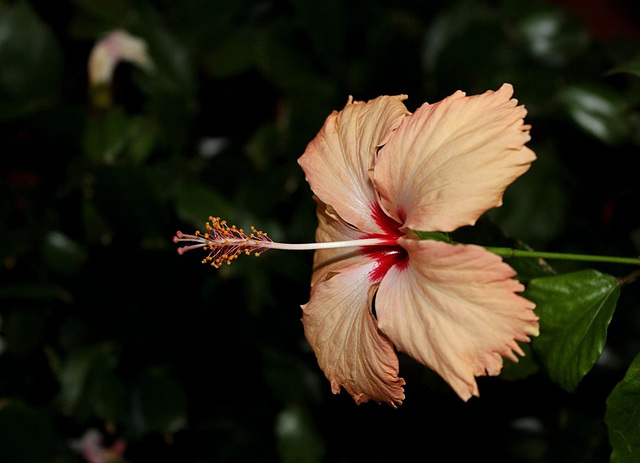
[224, 243]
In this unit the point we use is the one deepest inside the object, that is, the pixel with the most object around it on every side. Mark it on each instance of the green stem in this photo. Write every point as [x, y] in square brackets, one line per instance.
[509, 253]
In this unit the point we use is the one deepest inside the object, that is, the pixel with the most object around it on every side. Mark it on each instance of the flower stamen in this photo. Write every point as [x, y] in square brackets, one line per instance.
[225, 243]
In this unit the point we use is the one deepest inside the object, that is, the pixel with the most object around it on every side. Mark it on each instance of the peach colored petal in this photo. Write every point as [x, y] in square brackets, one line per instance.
[332, 228]
[455, 309]
[451, 161]
[337, 161]
[351, 350]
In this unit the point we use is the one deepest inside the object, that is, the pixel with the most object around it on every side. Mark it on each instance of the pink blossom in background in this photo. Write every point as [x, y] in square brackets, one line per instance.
[90, 446]
[116, 47]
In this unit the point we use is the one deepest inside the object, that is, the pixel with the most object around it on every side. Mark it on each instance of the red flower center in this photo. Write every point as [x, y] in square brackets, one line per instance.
[387, 255]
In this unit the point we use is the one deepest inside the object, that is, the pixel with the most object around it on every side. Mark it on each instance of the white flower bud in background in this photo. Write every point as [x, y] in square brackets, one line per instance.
[117, 46]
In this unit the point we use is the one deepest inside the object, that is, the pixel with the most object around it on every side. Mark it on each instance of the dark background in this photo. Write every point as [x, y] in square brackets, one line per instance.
[104, 326]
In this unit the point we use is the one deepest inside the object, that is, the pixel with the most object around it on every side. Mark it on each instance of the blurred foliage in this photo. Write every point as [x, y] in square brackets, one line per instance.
[105, 326]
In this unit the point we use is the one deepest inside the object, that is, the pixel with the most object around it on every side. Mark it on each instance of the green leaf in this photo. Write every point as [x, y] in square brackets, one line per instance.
[528, 269]
[597, 110]
[575, 310]
[623, 409]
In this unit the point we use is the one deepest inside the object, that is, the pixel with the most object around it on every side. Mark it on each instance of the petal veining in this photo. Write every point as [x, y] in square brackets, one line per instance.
[332, 228]
[351, 350]
[451, 161]
[455, 308]
[337, 161]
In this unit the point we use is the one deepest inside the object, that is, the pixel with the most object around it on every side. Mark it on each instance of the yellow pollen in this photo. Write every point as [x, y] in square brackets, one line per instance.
[225, 242]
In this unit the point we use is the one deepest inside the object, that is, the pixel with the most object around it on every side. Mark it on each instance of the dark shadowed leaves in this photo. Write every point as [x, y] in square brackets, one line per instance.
[63, 254]
[535, 205]
[27, 47]
[552, 37]
[195, 202]
[298, 441]
[26, 434]
[89, 385]
[105, 326]
[113, 136]
[597, 110]
[631, 66]
[159, 404]
[623, 410]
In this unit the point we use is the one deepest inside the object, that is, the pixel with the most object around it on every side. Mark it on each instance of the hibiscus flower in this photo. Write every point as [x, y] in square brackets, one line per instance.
[379, 173]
